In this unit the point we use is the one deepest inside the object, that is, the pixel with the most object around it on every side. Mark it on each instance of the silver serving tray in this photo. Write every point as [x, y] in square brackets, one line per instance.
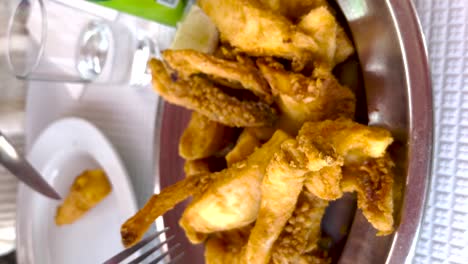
[398, 93]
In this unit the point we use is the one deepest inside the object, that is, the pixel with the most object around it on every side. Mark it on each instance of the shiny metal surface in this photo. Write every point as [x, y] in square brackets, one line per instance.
[396, 75]
[22, 169]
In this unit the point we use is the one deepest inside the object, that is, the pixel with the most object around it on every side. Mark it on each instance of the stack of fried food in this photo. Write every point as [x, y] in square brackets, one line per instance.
[267, 104]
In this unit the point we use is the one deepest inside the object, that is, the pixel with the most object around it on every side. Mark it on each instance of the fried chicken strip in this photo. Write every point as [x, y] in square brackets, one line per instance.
[281, 187]
[194, 167]
[279, 191]
[293, 9]
[245, 145]
[353, 141]
[302, 98]
[233, 199]
[87, 190]
[321, 24]
[226, 247]
[134, 228]
[301, 234]
[325, 183]
[258, 31]
[202, 96]
[191, 62]
[202, 137]
[373, 182]
[367, 169]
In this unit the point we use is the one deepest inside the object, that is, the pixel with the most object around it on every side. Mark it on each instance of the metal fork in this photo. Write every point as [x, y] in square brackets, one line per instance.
[148, 254]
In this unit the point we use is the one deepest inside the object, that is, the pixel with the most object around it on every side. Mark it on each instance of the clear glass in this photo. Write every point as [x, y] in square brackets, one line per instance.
[70, 45]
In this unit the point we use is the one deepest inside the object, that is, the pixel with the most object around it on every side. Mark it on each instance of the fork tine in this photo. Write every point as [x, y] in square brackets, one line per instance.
[151, 251]
[162, 256]
[127, 252]
[176, 258]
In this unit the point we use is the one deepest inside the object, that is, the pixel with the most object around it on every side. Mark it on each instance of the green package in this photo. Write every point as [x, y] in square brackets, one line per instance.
[168, 12]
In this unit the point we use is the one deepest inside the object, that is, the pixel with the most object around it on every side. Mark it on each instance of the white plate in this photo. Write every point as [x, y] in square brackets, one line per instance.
[63, 151]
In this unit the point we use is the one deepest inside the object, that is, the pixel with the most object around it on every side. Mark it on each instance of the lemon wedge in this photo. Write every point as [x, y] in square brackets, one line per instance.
[197, 32]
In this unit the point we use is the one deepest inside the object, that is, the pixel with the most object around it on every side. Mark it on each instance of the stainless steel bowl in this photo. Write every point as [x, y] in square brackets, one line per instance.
[396, 77]
[393, 57]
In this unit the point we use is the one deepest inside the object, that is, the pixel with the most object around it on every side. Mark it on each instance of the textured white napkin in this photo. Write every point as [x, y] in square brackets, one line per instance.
[444, 233]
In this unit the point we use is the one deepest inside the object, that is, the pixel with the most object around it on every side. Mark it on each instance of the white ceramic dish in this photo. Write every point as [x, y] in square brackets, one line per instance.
[62, 151]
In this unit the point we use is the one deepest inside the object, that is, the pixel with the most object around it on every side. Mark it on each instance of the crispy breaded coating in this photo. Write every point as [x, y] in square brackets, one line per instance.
[334, 44]
[202, 138]
[352, 141]
[245, 145]
[190, 62]
[280, 189]
[373, 182]
[258, 31]
[194, 167]
[87, 190]
[226, 247]
[302, 98]
[202, 96]
[135, 227]
[261, 133]
[233, 199]
[293, 9]
[325, 183]
[301, 234]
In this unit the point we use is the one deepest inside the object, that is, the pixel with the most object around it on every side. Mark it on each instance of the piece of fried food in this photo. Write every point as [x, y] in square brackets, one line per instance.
[334, 44]
[258, 31]
[245, 145]
[293, 9]
[202, 138]
[202, 96]
[373, 182]
[194, 167]
[135, 227]
[261, 133]
[352, 141]
[238, 75]
[87, 190]
[367, 169]
[325, 183]
[233, 199]
[301, 234]
[226, 247]
[280, 189]
[302, 98]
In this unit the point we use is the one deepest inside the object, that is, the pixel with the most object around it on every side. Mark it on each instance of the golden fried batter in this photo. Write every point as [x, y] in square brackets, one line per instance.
[258, 31]
[194, 167]
[134, 228]
[202, 138]
[245, 145]
[87, 190]
[226, 247]
[325, 183]
[352, 141]
[293, 9]
[261, 133]
[301, 233]
[191, 62]
[202, 96]
[302, 98]
[373, 182]
[280, 189]
[334, 44]
[233, 199]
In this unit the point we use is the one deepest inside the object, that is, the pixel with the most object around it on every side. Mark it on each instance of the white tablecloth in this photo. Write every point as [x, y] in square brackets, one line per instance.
[444, 233]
